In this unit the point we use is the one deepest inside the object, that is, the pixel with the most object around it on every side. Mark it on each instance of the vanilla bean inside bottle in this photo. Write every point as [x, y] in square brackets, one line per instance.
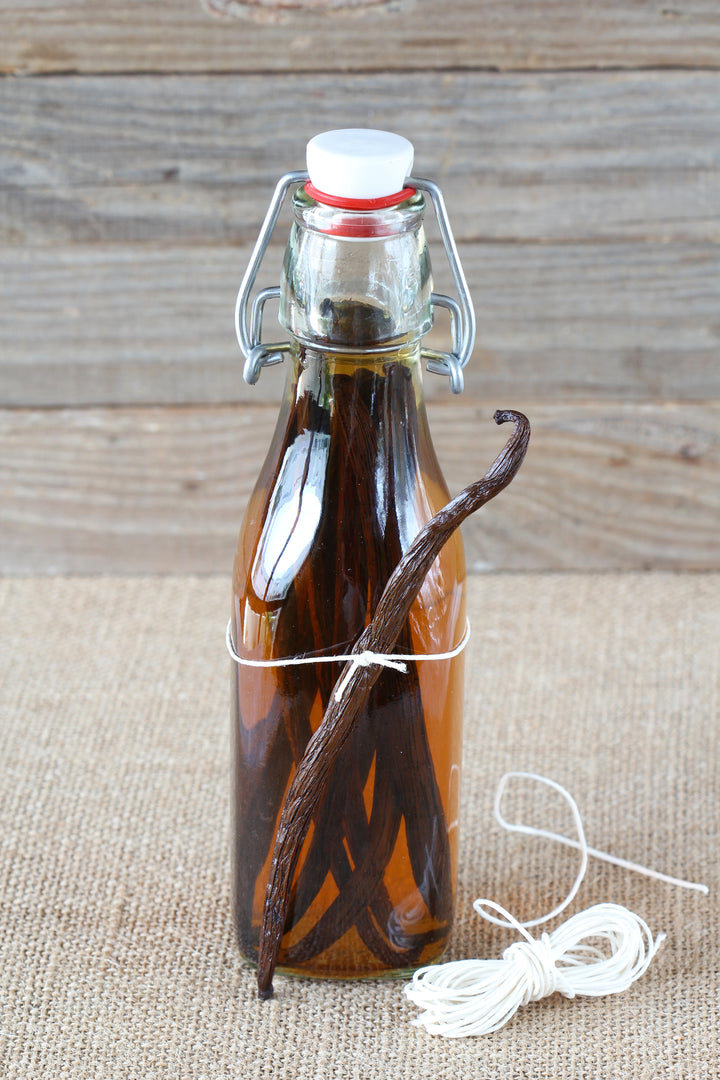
[350, 478]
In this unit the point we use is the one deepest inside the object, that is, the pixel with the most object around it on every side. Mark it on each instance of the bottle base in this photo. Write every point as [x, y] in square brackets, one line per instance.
[344, 976]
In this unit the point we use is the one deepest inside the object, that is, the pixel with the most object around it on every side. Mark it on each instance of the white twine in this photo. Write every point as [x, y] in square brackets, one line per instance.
[580, 845]
[397, 661]
[477, 997]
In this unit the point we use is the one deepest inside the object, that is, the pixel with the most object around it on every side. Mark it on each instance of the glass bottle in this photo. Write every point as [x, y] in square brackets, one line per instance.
[350, 478]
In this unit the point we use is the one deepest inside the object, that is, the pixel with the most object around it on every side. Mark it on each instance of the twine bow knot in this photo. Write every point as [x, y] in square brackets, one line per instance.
[366, 659]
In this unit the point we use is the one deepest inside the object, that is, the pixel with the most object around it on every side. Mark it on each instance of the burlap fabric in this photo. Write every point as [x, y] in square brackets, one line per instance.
[116, 950]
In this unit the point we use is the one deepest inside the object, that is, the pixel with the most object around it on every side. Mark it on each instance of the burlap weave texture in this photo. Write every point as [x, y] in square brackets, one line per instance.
[116, 949]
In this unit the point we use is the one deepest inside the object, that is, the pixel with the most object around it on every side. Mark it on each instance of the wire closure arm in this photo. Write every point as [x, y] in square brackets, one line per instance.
[450, 364]
[256, 354]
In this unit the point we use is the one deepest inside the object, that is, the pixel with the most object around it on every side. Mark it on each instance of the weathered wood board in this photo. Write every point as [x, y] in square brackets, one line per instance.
[610, 485]
[141, 324]
[193, 159]
[584, 187]
[179, 35]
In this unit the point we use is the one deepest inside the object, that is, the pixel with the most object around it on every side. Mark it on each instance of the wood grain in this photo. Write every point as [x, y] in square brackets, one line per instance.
[159, 490]
[179, 159]
[139, 324]
[584, 188]
[178, 35]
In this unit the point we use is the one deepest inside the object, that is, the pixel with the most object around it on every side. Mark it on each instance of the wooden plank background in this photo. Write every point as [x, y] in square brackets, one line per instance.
[578, 146]
[179, 36]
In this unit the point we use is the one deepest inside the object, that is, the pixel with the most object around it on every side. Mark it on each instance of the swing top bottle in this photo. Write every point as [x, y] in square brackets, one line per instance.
[350, 477]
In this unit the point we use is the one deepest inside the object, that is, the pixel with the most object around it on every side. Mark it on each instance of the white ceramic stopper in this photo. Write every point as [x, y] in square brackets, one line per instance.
[359, 163]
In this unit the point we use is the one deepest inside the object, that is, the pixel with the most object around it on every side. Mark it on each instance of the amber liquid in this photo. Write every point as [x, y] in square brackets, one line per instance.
[350, 478]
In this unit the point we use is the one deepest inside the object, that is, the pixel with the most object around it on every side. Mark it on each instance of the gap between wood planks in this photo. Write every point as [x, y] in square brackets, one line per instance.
[475, 69]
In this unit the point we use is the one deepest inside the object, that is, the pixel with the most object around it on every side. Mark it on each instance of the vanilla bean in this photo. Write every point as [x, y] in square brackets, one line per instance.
[380, 636]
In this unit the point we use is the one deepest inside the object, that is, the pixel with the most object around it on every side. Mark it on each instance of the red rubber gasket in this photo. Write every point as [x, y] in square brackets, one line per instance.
[358, 204]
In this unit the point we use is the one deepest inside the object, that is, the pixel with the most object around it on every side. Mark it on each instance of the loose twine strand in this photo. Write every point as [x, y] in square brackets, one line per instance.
[477, 997]
[397, 661]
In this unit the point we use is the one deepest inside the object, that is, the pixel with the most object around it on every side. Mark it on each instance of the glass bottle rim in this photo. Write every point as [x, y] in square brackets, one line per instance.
[347, 223]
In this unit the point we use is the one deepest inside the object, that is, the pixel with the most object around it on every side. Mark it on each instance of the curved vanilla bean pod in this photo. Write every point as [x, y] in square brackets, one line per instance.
[340, 717]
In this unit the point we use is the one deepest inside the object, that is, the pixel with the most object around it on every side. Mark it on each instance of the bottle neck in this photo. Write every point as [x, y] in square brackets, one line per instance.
[356, 282]
[372, 383]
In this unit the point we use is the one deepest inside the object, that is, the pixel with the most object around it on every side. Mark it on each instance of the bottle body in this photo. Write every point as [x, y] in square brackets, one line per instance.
[350, 479]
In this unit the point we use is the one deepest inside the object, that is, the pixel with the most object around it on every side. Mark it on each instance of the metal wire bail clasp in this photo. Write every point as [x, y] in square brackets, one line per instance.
[462, 316]
[248, 332]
